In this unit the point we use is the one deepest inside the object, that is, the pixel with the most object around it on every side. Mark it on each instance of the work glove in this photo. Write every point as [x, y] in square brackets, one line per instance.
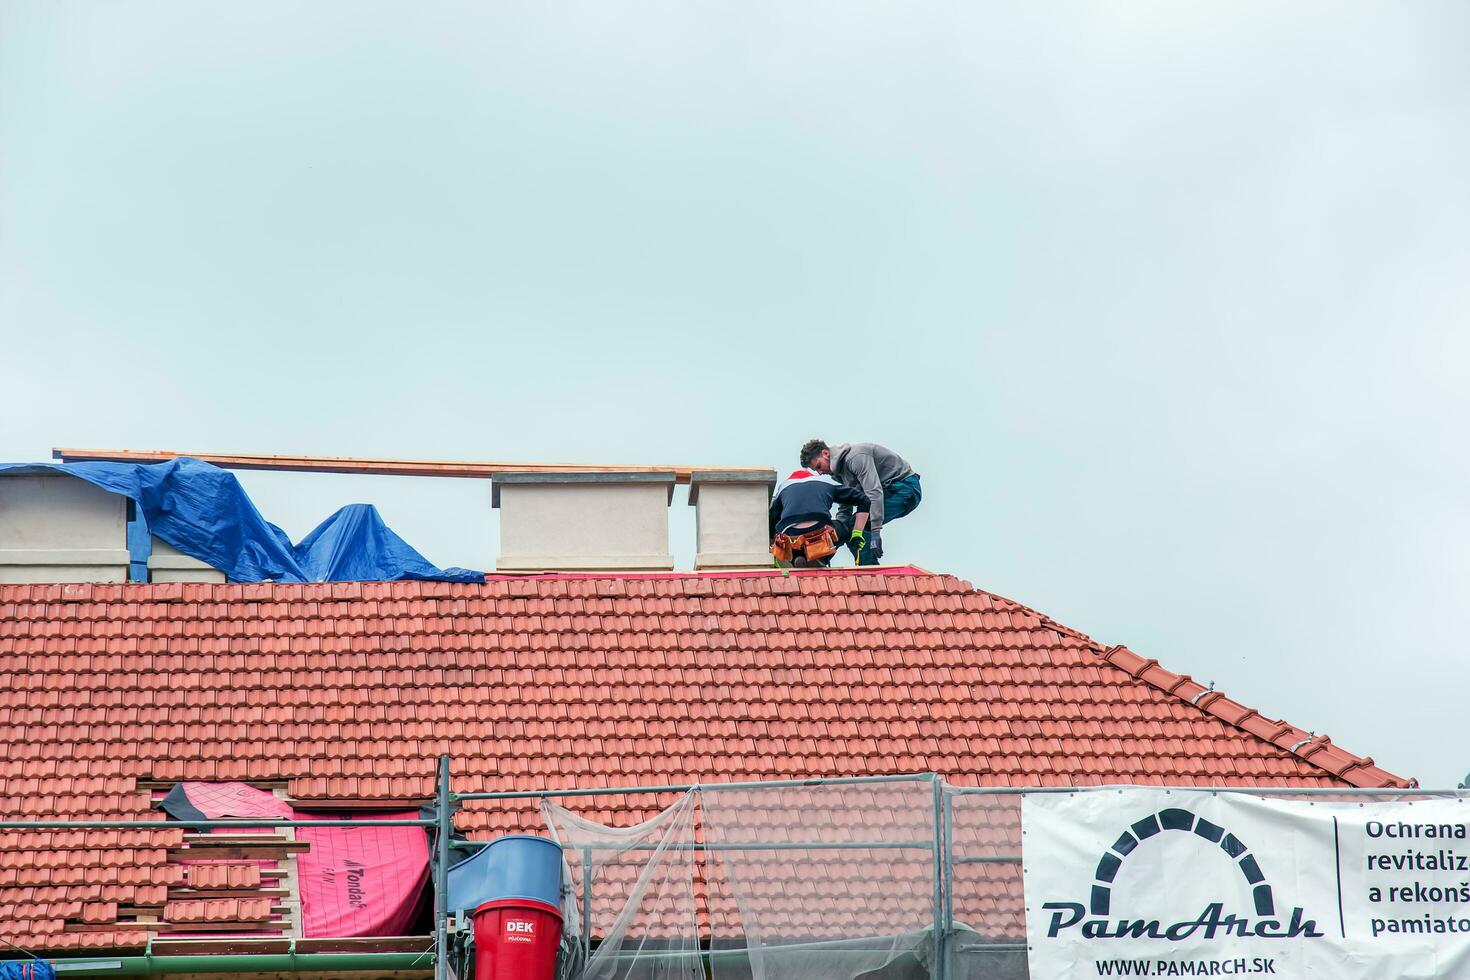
[855, 544]
[875, 544]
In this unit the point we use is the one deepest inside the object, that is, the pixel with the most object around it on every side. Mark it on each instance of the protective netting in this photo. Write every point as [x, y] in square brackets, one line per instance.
[826, 881]
[830, 882]
[635, 887]
[875, 879]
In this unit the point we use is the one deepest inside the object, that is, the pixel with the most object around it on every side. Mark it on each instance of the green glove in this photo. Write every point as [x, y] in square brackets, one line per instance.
[856, 542]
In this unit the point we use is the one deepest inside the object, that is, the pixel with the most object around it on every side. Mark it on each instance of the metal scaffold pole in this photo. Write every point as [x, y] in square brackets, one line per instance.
[586, 905]
[937, 969]
[948, 965]
[441, 873]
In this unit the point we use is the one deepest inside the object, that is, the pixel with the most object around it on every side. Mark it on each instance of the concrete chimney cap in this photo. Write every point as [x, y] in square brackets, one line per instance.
[581, 477]
[696, 479]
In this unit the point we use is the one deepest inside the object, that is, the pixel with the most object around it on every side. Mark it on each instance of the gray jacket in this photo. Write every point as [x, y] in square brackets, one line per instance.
[869, 467]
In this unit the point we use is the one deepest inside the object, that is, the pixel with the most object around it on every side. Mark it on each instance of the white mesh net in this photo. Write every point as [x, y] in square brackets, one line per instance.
[830, 882]
[989, 907]
[635, 888]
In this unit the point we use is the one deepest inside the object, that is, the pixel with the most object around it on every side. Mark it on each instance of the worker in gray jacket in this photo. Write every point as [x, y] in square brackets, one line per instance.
[889, 481]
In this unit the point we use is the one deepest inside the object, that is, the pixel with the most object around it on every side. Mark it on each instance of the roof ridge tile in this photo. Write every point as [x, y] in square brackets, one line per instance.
[1356, 770]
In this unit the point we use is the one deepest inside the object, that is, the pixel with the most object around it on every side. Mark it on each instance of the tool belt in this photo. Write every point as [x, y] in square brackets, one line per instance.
[814, 545]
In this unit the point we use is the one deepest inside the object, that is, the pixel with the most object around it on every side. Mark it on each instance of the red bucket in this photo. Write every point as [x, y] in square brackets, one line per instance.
[516, 939]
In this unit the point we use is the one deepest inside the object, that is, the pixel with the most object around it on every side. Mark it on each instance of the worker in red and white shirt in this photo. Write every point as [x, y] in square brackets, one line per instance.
[802, 505]
[890, 483]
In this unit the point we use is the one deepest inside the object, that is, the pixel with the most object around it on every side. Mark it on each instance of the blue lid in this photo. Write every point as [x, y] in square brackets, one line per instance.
[514, 866]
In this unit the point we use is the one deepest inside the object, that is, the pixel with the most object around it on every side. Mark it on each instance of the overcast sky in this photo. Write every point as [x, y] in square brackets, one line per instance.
[1167, 302]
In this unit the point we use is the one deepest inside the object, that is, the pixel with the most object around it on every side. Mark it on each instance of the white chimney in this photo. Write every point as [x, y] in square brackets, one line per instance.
[732, 518]
[583, 521]
[57, 528]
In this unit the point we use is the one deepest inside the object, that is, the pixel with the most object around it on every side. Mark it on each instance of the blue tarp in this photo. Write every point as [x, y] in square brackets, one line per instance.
[32, 969]
[203, 511]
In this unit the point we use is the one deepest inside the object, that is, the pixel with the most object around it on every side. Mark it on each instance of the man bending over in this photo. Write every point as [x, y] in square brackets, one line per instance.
[888, 481]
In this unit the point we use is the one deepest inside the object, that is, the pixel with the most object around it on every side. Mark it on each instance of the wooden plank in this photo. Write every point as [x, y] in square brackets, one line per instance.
[463, 469]
[238, 840]
[232, 926]
[332, 806]
[290, 882]
[163, 946]
[202, 894]
[371, 944]
[279, 850]
[107, 926]
[157, 784]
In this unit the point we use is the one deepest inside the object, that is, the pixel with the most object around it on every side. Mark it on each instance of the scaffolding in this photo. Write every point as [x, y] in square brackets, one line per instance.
[915, 869]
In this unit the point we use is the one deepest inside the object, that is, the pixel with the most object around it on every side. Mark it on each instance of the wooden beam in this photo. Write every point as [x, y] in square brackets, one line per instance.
[164, 946]
[370, 944]
[236, 925]
[278, 850]
[165, 784]
[463, 469]
[247, 839]
[333, 806]
[199, 894]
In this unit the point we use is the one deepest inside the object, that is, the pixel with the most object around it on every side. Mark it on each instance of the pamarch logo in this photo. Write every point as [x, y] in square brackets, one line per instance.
[1209, 924]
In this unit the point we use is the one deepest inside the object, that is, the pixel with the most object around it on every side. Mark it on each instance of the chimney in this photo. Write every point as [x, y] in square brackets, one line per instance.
[57, 528]
[583, 521]
[732, 518]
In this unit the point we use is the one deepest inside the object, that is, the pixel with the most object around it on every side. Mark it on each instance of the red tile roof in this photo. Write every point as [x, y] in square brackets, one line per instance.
[351, 690]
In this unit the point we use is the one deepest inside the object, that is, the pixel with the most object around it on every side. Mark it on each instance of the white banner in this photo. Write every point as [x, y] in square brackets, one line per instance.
[1139, 882]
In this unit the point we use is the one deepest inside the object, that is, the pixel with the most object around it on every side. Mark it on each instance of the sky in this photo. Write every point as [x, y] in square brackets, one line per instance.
[1169, 304]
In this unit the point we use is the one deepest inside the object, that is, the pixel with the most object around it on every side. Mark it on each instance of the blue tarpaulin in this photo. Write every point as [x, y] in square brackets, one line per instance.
[204, 512]
[32, 969]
